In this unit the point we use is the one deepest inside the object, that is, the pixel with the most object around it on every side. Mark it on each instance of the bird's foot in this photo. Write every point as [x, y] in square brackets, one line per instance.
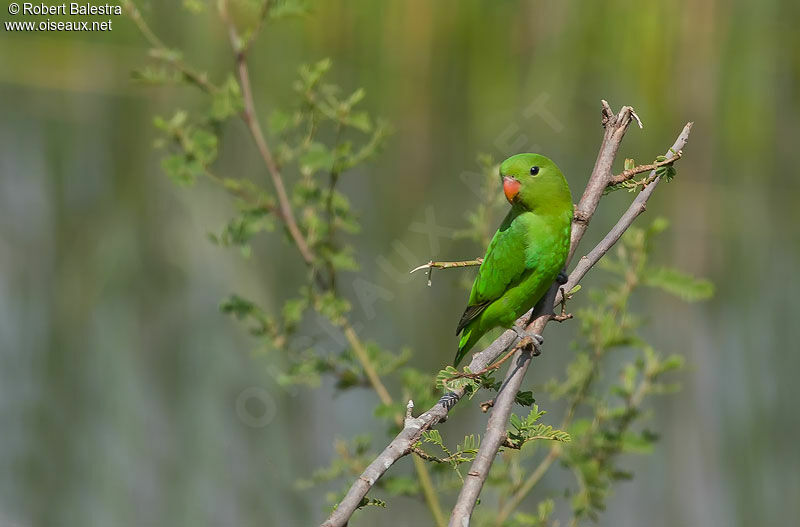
[529, 338]
[561, 317]
[562, 278]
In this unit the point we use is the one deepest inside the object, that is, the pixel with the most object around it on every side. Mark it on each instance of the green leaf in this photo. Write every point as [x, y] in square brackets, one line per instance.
[685, 286]
[524, 430]
[194, 6]
[667, 172]
[204, 146]
[525, 398]
[574, 290]
[179, 169]
[237, 306]
[332, 307]
[366, 502]
[288, 8]
[445, 379]
[310, 75]
[279, 121]
[316, 158]
[293, 310]
[344, 260]
[433, 436]
[659, 225]
[673, 362]
[359, 121]
[227, 101]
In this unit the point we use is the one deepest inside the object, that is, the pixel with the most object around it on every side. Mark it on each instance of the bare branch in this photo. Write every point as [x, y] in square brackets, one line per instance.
[361, 353]
[615, 128]
[447, 265]
[430, 266]
[405, 441]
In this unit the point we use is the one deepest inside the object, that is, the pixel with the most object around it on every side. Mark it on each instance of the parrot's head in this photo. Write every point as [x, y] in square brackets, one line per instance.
[534, 182]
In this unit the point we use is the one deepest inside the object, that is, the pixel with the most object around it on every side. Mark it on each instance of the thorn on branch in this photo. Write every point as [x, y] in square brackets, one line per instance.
[636, 118]
[430, 266]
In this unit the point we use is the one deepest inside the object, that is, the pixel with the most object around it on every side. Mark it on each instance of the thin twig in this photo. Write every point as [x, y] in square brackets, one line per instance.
[525, 342]
[163, 53]
[430, 266]
[447, 265]
[361, 353]
[262, 17]
[251, 120]
[625, 175]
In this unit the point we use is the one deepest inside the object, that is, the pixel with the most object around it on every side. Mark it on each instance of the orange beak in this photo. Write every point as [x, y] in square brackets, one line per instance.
[510, 188]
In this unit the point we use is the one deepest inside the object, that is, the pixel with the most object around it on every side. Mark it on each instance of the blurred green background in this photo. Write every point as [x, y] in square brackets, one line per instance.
[127, 399]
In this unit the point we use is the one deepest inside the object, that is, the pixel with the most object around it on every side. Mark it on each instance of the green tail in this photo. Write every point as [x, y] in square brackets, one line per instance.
[465, 344]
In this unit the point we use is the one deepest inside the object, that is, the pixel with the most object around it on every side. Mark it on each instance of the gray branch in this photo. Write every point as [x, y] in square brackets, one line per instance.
[536, 319]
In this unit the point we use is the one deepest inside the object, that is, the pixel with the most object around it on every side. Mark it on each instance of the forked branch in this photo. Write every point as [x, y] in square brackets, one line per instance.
[535, 320]
[498, 420]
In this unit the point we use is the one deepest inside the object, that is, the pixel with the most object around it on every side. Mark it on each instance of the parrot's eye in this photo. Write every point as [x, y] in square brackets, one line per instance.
[534, 171]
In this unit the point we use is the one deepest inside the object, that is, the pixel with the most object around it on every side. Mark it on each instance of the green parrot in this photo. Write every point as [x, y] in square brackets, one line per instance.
[526, 253]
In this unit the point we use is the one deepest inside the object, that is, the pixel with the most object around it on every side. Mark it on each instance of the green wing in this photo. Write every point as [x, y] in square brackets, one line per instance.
[503, 266]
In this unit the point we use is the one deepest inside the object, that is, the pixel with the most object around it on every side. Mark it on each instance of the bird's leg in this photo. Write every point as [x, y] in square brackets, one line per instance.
[561, 317]
[562, 278]
[529, 338]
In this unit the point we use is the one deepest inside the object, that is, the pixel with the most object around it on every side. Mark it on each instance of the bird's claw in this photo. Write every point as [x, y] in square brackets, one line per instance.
[528, 338]
[562, 278]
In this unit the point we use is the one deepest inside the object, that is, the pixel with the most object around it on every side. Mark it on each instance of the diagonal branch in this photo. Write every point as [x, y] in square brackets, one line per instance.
[161, 52]
[615, 128]
[403, 443]
[496, 427]
[250, 118]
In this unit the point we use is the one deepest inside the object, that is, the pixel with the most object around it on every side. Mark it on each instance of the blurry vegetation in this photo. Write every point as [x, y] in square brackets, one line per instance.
[606, 384]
